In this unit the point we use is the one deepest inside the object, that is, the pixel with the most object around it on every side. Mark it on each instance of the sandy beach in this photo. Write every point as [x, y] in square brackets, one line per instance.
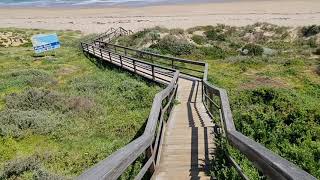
[95, 20]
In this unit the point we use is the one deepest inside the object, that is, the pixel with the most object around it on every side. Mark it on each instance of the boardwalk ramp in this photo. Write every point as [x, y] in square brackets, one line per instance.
[179, 139]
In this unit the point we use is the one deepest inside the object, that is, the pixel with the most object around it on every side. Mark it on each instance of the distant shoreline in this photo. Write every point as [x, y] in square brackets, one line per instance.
[128, 4]
[95, 20]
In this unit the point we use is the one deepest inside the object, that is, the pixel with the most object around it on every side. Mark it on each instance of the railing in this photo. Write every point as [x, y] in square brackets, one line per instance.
[151, 140]
[165, 61]
[270, 164]
[217, 104]
[112, 33]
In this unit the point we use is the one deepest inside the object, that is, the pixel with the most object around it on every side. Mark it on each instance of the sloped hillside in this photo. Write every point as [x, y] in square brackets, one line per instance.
[60, 113]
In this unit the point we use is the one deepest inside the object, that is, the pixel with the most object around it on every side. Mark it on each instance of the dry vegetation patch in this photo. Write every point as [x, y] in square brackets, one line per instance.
[11, 39]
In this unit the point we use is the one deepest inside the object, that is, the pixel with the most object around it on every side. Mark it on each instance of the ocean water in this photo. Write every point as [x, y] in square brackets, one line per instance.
[66, 3]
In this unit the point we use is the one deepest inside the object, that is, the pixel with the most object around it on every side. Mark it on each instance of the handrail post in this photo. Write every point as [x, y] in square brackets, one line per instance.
[153, 75]
[211, 105]
[120, 57]
[101, 53]
[149, 153]
[110, 57]
[134, 65]
[202, 90]
[172, 64]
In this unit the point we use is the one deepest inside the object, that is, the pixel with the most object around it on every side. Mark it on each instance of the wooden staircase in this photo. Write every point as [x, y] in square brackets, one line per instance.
[189, 141]
[179, 147]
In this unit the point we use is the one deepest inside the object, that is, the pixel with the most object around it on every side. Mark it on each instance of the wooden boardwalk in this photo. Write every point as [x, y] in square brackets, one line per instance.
[181, 146]
[189, 141]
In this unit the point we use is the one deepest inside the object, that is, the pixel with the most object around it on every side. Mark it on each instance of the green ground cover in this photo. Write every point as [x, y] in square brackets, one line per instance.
[59, 112]
[272, 75]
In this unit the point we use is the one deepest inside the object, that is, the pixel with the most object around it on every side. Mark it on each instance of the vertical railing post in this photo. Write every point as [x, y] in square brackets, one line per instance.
[134, 65]
[93, 50]
[110, 56]
[153, 75]
[202, 90]
[149, 152]
[211, 105]
[101, 53]
[120, 57]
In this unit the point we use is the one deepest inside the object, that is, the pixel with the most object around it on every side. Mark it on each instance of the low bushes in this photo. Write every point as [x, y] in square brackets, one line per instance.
[252, 50]
[18, 123]
[36, 99]
[176, 31]
[312, 30]
[67, 111]
[173, 45]
[127, 41]
[284, 117]
[213, 52]
[215, 35]
[29, 77]
[271, 116]
[198, 39]
[17, 168]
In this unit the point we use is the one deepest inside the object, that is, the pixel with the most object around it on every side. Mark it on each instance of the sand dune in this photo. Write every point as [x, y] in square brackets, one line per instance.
[94, 20]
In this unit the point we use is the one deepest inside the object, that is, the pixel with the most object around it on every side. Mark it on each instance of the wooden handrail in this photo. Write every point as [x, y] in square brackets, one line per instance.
[269, 163]
[113, 166]
[153, 54]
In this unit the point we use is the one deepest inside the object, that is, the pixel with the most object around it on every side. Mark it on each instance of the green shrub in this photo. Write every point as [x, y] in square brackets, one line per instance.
[199, 28]
[35, 99]
[198, 39]
[41, 174]
[89, 85]
[310, 30]
[159, 29]
[215, 35]
[173, 45]
[30, 77]
[213, 52]
[15, 169]
[150, 50]
[252, 50]
[177, 31]
[140, 34]
[146, 56]
[134, 92]
[270, 116]
[155, 36]
[220, 166]
[126, 41]
[17, 123]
